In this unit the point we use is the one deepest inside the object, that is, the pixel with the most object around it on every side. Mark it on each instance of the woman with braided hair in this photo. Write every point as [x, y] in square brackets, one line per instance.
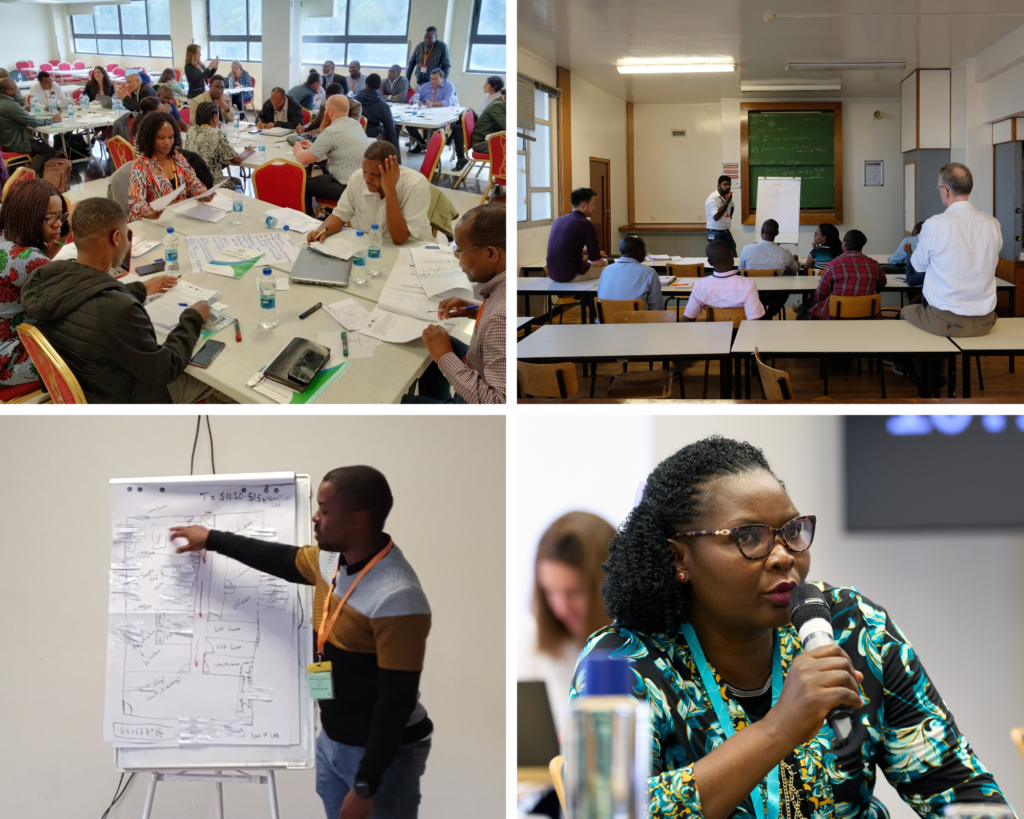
[698, 580]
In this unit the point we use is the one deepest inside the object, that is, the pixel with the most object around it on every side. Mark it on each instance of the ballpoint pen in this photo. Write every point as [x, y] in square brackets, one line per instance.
[311, 310]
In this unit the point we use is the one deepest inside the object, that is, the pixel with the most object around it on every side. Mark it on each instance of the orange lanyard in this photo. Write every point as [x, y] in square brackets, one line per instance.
[480, 314]
[322, 632]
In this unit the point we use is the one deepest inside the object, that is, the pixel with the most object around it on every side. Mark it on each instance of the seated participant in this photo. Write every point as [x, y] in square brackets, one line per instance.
[100, 327]
[238, 77]
[570, 235]
[32, 219]
[216, 95]
[165, 95]
[491, 119]
[383, 193]
[316, 123]
[17, 128]
[396, 87]
[766, 255]
[906, 249]
[327, 75]
[305, 94]
[160, 167]
[167, 78]
[477, 372]
[356, 80]
[629, 278]
[206, 139]
[148, 106]
[133, 91]
[826, 246]
[379, 122]
[438, 93]
[725, 287]
[46, 91]
[849, 274]
[702, 621]
[100, 84]
[342, 144]
[22, 102]
[280, 111]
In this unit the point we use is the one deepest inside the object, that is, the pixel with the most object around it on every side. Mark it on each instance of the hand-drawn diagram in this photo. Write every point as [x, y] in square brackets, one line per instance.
[202, 647]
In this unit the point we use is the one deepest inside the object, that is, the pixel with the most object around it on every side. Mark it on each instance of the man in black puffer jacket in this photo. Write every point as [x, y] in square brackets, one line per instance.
[378, 113]
[100, 326]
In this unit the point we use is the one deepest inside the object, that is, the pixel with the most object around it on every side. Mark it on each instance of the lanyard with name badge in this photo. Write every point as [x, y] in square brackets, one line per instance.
[318, 675]
[725, 721]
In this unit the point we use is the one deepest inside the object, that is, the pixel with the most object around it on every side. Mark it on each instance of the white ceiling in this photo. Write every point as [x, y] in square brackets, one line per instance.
[589, 37]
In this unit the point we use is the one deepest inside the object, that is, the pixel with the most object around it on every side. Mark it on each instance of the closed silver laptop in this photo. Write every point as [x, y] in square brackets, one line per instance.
[316, 268]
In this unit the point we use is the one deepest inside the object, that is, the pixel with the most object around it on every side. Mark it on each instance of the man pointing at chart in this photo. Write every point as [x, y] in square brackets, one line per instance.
[370, 619]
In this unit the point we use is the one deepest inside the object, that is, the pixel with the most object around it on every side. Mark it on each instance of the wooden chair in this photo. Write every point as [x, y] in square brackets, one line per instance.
[774, 383]
[282, 183]
[555, 769]
[121, 151]
[496, 152]
[645, 317]
[686, 271]
[650, 384]
[858, 308]
[22, 174]
[733, 314]
[562, 301]
[324, 207]
[751, 273]
[608, 308]
[432, 157]
[546, 380]
[56, 375]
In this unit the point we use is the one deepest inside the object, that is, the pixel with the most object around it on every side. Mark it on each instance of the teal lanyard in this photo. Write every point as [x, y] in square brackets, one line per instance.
[724, 720]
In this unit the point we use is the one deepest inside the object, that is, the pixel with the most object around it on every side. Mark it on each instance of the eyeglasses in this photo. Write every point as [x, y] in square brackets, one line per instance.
[458, 251]
[941, 187]
[54, 219]
[756, 540]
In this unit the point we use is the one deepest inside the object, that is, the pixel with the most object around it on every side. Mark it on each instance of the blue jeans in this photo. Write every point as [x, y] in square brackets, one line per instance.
[434, 387]
[723, 236]
[399, 794]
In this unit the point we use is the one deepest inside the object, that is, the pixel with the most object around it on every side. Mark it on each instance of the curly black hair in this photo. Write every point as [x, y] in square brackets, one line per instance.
[147, 129]
[641, 590]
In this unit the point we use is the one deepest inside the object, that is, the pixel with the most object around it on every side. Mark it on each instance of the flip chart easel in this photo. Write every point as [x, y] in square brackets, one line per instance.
[778, 198]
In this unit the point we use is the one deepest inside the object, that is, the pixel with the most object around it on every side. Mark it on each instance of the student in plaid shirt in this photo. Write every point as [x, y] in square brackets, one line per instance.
[477, 372]
[849, 274]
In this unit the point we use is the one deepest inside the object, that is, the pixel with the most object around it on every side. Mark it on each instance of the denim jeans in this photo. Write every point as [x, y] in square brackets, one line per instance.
[723, 236]
[399, 794]
[434, 387]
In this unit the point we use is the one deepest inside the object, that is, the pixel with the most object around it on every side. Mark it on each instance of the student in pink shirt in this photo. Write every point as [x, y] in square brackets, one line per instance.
[724, 288]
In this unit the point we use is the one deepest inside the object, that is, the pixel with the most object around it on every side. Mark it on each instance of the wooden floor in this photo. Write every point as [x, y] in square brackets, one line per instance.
[1001, 386]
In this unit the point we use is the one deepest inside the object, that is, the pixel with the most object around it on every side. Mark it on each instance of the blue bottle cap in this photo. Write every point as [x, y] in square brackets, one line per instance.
[374, 227]
[359, 233]
[607, 676]
[170, 230]
[266, 271]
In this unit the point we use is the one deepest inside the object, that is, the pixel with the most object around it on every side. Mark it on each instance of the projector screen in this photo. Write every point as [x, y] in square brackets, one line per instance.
[930, 472]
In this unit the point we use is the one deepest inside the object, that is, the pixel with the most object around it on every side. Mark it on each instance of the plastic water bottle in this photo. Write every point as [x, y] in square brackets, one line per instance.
[263, 152]
[270, 221]
[359, 259]
[84, 99]
[268, 300]
[71, 110]
[608, 745]
[373, 251]
[171, 250]
[236, 123]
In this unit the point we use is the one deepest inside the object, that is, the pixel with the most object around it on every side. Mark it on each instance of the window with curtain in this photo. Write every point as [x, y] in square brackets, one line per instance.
[374, 32]
[141, 28]
[236, 30]
[535, 165]
[487, 37]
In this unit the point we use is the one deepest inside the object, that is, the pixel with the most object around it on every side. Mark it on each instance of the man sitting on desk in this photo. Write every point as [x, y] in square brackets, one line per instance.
[17, 128]
[100, 326]
[477, 372]
[849, 274]
[570, 236]
[383, 193]
[280, 111]
[724, 288]
[766, 255]
[629, 278]
[371, 621]
[438, 93]
[342, 143]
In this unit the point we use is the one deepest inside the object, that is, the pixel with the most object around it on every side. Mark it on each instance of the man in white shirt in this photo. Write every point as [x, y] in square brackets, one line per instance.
[766, 255]
[724, 288]
[383, 193]
[342, 143]
[718, 209]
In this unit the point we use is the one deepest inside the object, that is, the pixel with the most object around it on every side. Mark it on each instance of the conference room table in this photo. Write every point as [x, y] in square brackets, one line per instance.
[585, 291]
[1005, 338]
[93, 117]
[274, 147]
[841, 339]
[596, 343]
[382, 378]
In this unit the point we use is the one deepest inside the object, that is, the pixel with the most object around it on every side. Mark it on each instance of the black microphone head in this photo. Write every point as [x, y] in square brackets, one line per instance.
[807, 602]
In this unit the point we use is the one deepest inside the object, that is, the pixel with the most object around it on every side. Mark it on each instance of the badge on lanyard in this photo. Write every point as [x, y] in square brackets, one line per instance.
[321, 684]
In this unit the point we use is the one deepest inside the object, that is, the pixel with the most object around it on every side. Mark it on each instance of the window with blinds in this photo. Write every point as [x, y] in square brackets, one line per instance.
[535, 152]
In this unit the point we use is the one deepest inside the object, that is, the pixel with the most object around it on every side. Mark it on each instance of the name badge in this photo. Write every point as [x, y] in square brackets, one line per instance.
[423, 67]
[321, 685]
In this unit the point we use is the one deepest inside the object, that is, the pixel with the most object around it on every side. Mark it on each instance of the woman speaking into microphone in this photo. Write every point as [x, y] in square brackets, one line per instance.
[698, 580]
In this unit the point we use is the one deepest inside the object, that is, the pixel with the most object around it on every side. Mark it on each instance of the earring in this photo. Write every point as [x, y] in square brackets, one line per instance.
[682, 576]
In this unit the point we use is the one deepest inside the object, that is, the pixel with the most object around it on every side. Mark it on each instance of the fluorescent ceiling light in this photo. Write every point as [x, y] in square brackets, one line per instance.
[676, 68]
[779, 86]
[845, 65]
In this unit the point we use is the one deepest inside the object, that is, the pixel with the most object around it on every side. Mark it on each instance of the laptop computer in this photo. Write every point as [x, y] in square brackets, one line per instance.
[104, 101]
[316, 268]
[536, 737]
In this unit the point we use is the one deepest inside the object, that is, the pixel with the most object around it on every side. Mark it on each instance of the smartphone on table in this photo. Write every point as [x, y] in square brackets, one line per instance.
[209, 351]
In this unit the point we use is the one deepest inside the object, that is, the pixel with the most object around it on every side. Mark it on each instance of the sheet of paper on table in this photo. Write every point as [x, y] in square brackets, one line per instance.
[403, 274]
[202, 211]
[398, 329]
[165, 311]
[349, 313]
[337, 248]
[278, 132]
[359, 346]
[439, 271]
[275, 247]
[233, 262]
[140, 247]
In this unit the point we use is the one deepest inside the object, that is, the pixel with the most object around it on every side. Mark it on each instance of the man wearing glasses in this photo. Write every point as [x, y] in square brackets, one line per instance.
[476, 371]
[957, 250]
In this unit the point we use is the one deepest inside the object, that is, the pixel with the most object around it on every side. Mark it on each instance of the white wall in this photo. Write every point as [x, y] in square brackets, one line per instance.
[939, 588]
[53, 593]
[29, 37]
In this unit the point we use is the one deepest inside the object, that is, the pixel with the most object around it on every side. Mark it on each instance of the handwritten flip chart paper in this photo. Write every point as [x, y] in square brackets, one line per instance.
[439, 271]
[201, 648]
[275, 247]
[778, 198]
[349, 313]
[403, 274]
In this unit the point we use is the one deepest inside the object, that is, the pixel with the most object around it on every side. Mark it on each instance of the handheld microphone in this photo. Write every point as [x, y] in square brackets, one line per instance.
[812, 617]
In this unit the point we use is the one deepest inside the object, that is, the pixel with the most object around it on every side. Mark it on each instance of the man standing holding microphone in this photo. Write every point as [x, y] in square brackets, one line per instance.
[719, 208]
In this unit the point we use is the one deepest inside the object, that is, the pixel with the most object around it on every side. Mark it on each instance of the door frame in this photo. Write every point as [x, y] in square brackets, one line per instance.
[607, 196]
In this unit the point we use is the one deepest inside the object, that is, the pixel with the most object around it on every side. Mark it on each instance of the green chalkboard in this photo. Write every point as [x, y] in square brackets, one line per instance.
[791, 138]
[817, 185]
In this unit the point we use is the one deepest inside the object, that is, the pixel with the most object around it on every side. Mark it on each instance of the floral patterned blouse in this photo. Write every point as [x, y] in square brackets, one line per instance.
[905, 730]
[148, 183]
[16, 263]
[212, 146]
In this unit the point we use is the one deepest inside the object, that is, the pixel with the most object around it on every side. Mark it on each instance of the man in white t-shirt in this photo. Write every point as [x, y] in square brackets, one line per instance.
[718, 209]
[724, 288]
[383, 193]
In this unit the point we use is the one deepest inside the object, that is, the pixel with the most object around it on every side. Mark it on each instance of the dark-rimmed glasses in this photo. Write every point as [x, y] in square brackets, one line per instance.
[757, 539]
[54, 219]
